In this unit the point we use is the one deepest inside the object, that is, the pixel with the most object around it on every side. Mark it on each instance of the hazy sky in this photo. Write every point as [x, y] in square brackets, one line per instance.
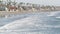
[42, 2]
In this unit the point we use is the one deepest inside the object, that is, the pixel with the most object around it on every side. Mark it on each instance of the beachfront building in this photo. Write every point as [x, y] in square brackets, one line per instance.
[11, 6]
[47, 8]
[24, 6]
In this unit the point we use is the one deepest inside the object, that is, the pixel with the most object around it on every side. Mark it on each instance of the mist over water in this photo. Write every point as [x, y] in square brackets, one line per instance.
[32, 23]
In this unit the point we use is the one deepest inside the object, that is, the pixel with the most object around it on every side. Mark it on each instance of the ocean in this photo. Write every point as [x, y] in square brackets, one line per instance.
[31, 23]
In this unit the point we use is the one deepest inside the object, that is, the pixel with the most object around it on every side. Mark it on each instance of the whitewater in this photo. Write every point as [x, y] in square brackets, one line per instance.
[31, 23]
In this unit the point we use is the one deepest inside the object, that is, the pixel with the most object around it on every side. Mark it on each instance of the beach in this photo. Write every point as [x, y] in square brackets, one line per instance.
[3, 13]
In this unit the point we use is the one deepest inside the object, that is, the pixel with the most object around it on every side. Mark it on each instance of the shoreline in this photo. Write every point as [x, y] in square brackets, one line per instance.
[3, 13]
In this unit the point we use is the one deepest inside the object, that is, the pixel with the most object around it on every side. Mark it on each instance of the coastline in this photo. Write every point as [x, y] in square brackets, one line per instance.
[3, 13]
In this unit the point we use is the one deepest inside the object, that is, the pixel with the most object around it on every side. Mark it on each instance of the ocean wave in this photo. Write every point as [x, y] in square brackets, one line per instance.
[32, 23]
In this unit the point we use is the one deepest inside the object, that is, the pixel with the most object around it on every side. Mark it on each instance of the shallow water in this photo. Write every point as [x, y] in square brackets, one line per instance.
[44, 23]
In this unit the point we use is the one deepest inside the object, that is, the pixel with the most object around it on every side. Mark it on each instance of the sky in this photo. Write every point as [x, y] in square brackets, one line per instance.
[42, 2]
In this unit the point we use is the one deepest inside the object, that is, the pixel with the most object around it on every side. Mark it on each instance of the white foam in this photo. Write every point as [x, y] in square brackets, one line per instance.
[53, 13]
[19, 24]
[58, 17]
